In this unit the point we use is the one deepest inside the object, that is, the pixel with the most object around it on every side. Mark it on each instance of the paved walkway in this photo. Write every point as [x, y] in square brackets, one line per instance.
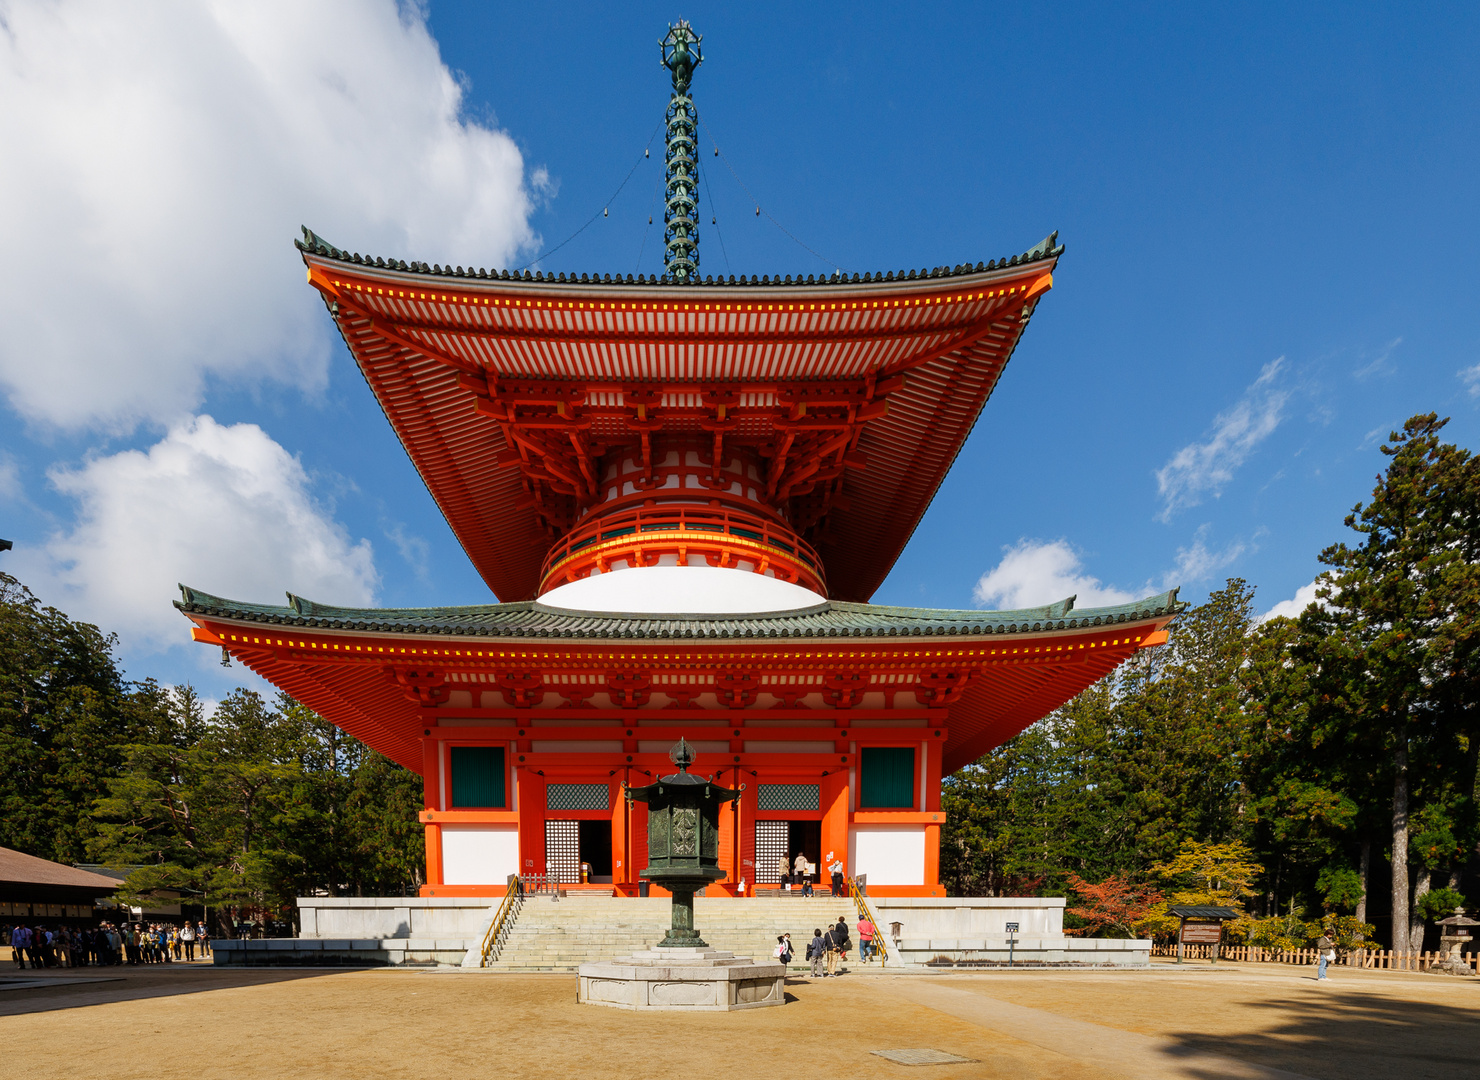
[1251, 1022]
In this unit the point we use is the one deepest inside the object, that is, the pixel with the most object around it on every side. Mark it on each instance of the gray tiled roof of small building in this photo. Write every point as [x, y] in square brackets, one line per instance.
[313, 244]
[531, 619]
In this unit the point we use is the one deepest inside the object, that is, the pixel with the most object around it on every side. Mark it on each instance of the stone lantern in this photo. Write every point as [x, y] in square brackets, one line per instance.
[682, 972]
[1454, 935]
[683, 840]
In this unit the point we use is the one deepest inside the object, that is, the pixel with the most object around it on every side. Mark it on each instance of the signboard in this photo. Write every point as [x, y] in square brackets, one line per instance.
[1012, 928]
[1202, 933]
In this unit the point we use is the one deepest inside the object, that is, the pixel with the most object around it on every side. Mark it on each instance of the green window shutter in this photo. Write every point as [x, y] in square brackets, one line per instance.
[477, 776]
[888, 781]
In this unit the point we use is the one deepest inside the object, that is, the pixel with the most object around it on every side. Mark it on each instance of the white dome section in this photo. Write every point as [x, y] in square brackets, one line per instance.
[681, 590]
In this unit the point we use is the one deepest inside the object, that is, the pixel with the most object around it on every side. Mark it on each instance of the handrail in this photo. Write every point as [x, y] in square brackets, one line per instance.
[860, 904]
[503, 920]
[709, 522]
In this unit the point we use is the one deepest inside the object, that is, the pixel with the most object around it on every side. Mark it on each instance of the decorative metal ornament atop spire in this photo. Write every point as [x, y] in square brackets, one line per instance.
[681, 55]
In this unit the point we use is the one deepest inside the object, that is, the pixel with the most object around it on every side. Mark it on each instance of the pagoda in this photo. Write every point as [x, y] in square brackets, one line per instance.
[683, 489]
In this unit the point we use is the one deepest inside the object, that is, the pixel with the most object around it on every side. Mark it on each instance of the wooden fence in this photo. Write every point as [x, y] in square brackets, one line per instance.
[1376, 959]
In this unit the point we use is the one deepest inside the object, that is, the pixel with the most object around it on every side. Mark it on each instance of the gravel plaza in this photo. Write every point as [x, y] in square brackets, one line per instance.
[1235, 1020]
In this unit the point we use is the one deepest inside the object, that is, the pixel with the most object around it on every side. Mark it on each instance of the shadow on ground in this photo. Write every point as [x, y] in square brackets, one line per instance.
[1354, 1032]
[79, 987]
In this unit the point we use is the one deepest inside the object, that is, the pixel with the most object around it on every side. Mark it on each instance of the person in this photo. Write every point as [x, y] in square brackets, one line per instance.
[782, 952]
[840, 935]
[175, 941]
[807, 878]
[204, 938]
[865, 940]
[187, 941]
[830, 944]
[20, 946]
[816, 952]
[800, 872]
[836, 870]
[783, 873]
[1326, 950]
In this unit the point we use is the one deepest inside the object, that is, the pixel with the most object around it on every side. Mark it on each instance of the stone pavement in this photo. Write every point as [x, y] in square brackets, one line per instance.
[1243, 1021]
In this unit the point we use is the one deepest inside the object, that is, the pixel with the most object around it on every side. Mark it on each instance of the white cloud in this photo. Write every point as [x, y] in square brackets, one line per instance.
[158, 159]
[1303, 598]
[1034, 573]
[1471, 378]
[10, 478]
[223, 508]
[1197, 562]
[1203, 468]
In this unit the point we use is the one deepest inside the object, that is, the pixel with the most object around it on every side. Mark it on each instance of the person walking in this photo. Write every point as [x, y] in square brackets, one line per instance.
[783, 873]
[817, 953]
[1326, 950]
[865, 940]
[840, 935]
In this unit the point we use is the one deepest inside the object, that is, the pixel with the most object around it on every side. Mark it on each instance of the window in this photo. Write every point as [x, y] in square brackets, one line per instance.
[477, 776]
[787, 797]
[577, 797]
[888, 781]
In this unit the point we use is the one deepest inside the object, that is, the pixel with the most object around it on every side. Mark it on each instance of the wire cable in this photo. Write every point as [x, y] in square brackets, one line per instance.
[551, 251]
[652, 205]
[726, 159]
[713, 208]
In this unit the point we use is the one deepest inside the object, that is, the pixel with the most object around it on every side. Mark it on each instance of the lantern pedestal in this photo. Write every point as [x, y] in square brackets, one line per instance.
[678, 979]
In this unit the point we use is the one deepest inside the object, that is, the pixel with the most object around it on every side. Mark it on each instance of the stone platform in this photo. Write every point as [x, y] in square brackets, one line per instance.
[682, 980]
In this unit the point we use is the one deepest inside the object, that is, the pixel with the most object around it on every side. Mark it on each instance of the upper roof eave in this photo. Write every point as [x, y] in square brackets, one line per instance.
[530, 619]
[964, 275]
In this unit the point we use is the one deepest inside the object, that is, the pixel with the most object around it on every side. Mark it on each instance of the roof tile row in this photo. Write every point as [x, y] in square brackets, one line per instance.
[531, 619]
[313, 244]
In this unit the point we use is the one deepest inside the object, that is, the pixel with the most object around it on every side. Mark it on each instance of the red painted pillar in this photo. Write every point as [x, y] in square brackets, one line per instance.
[531, 822]
[834, 794]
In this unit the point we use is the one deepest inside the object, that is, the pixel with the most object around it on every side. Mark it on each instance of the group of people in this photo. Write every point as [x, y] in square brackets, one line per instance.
[105, 945]
[828, 949]
[799, 872]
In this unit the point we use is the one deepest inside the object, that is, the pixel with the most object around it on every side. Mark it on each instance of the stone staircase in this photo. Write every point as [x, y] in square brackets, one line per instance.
[559, 935]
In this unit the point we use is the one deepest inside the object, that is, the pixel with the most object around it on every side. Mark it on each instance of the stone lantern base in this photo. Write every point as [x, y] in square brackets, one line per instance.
[683, 980]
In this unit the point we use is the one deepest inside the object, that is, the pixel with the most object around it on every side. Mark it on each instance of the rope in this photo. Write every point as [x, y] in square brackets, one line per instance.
[726, 159]
[551, 251]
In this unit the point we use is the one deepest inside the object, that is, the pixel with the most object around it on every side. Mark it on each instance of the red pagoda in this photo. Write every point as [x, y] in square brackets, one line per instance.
[683, 490]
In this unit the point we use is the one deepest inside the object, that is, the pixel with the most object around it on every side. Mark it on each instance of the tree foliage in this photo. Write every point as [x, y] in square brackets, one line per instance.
[248, 806]
[1335, 746]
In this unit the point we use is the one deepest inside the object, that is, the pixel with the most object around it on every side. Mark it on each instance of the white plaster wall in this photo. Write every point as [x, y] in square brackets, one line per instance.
[689, 590]
[888, 854]
[479, 854]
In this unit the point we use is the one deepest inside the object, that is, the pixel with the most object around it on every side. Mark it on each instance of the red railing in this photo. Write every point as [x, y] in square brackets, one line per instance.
[700, 528]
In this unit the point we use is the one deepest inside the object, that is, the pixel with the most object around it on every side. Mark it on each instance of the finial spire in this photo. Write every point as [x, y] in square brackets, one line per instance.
[681, 55]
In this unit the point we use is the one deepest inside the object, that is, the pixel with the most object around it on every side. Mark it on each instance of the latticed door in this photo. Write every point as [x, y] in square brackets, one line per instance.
[772, 844]
[563, 851]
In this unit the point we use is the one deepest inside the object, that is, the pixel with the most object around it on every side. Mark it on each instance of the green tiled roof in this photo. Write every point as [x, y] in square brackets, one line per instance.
[313, 244]
[531, 619]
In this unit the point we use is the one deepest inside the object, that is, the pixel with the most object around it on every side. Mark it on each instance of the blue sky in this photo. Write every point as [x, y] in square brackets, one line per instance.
[1267, 215]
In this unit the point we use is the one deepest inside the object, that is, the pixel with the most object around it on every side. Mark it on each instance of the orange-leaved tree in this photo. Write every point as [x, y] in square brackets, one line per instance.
[1112, 907]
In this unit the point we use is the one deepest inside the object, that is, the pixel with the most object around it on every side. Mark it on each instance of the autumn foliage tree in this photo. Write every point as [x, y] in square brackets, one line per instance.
[1110, 908]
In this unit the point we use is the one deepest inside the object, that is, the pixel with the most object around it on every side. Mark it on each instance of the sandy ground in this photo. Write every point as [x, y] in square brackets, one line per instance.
[1255, 1021]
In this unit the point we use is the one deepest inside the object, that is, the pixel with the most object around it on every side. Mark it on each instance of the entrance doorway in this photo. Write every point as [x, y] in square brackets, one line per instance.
[596, 849]
[775, 840]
